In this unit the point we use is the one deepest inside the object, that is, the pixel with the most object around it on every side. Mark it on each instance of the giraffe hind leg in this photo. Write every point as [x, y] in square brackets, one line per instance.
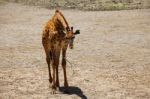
[49, 68]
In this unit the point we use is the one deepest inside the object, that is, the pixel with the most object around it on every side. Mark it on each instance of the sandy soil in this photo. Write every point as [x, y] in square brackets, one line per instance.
[111, 59]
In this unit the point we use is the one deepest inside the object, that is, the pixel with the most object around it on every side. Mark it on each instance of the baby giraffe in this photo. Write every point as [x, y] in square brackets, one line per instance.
[56, 37]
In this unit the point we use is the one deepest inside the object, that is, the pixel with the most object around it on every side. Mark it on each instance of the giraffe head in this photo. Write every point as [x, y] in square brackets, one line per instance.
[70, 35]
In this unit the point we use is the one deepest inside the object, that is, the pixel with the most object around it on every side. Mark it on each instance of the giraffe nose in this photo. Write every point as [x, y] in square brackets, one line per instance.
[71, 46]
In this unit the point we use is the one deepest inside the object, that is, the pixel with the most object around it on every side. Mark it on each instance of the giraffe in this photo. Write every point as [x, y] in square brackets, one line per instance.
[56, 37]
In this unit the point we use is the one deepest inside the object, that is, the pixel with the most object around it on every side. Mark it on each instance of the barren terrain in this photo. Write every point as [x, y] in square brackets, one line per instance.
[111, 58]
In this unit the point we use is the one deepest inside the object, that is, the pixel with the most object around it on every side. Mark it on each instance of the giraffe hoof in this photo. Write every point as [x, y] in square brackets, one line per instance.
[66, 85]
[57, 86]
[53, 91]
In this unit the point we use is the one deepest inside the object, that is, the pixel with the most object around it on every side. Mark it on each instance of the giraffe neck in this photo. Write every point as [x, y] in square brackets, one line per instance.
[60, 21]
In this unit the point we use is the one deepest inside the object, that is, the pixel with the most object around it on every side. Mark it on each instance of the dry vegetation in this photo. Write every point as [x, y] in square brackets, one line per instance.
[89, 4]
[111, 59]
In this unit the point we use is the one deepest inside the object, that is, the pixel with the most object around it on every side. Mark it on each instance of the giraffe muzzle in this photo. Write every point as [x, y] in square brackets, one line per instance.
[71, 43]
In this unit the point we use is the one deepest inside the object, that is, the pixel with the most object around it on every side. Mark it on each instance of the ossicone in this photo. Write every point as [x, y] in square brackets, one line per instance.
[67, 28]
[56, 11]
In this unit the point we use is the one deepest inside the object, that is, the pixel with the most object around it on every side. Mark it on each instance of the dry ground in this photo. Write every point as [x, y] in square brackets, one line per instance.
[111, 59]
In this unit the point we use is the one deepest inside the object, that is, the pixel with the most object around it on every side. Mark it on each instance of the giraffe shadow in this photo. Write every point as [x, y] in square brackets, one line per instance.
[73, 90]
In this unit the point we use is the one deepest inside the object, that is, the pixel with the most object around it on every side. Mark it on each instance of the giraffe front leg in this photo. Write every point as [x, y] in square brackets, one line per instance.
[48, 57]
[55, 64]
[57, 73]
[64, 67]
[49, 69]
[57, 53]
[53, 80]
[53, 74]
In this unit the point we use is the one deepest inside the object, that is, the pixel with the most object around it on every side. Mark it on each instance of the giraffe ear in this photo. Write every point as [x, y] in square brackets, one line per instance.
[72, 28]
[77, 32]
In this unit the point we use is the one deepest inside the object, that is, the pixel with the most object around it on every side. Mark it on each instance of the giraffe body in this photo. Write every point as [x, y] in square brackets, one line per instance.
[55, 41]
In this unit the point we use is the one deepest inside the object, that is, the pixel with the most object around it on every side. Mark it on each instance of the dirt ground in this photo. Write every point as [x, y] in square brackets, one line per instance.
[111, 58]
